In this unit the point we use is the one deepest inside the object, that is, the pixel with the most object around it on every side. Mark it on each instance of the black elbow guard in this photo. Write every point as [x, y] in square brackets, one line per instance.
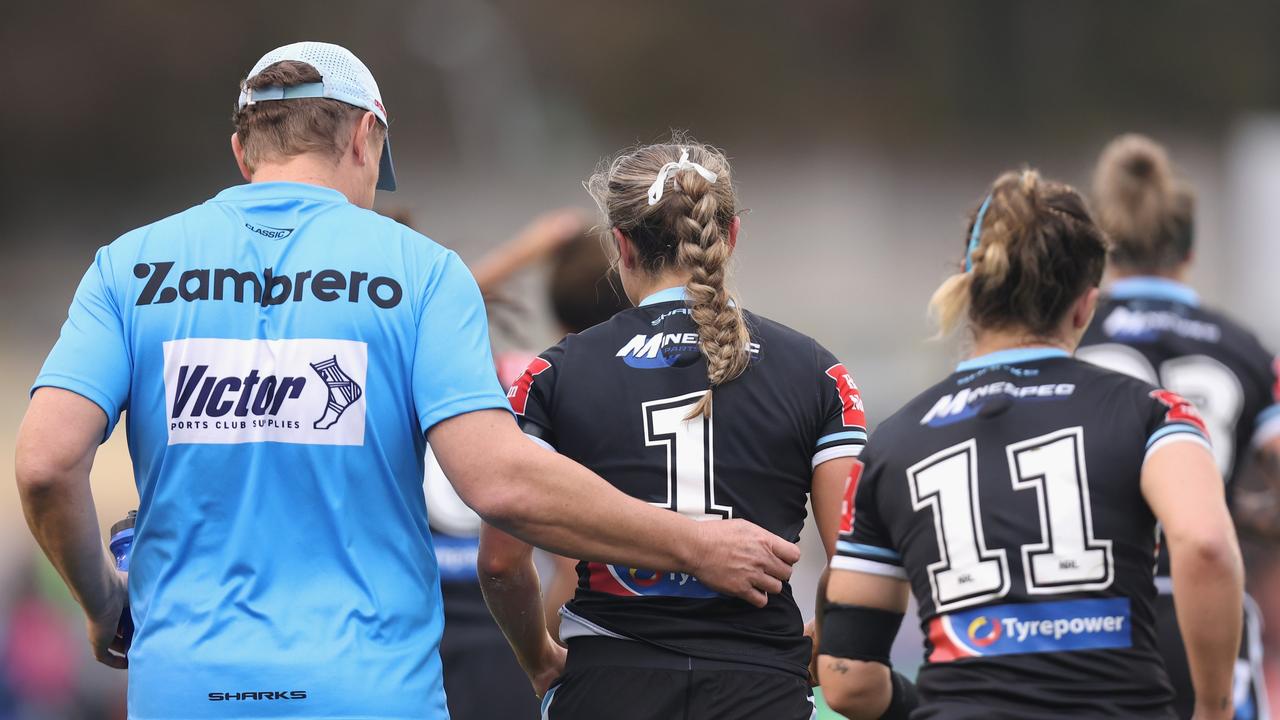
[858, 633]
[905, 698]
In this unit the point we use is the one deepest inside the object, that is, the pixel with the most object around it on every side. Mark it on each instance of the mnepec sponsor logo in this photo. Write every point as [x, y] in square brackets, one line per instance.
[968, 402]
[1147, 325]
[663, 349]
[266, 288]
[1089, 624]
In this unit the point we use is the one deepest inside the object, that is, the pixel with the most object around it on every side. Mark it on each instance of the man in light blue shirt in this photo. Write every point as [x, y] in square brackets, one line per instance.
[282, 355]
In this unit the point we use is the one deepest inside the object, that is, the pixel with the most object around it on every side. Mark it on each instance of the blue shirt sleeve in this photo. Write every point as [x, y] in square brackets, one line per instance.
[91, 357]
[453, 365]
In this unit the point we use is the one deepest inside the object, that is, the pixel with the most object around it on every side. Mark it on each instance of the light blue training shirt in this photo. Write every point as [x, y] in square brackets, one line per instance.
[280, 354]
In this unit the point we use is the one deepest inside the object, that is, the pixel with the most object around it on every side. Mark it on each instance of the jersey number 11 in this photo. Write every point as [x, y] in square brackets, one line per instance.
[1066, 558]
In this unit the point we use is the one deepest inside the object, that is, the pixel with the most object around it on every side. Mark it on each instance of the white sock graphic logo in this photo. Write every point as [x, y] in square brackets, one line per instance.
[343, 392]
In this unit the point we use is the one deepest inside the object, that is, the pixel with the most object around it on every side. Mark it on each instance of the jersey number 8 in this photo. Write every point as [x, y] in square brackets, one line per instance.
[1215, 390]
[1066, 558]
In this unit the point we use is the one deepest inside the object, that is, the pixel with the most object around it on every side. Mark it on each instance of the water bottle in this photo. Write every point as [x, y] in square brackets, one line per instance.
[121, 545]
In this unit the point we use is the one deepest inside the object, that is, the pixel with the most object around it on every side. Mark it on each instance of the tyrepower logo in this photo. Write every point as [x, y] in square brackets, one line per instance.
[1014, 629]
[243, 391]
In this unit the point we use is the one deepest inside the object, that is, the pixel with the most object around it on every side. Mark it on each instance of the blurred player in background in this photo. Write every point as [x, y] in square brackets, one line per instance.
[1151, 325]
[694, 404]
[284, 355]
[481, 677]
[1018, 500]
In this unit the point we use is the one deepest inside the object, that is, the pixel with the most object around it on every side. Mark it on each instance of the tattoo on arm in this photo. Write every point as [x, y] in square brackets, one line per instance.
[839, 666]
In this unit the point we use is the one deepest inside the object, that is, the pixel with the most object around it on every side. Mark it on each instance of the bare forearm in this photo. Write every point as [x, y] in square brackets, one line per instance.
[1208, 585]
[570, 511]
[62, 517]
[515, 601]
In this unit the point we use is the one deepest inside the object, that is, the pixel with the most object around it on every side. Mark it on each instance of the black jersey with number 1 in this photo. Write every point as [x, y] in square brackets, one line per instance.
[615, 398]
[1009, 497]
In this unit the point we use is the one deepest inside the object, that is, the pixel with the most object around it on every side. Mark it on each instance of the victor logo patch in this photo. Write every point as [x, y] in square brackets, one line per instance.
[240, 391]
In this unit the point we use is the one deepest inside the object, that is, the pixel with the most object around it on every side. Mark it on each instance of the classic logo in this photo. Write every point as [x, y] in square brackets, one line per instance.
[271, 233]
[241, 391]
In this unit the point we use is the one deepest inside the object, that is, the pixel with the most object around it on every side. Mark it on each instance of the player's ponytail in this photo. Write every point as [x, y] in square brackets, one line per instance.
[675, 203]
[1146, 212]
[1031, 250]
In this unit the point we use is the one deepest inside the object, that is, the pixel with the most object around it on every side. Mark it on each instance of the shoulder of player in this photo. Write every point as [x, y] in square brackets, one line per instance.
[1236, 337]
[906, 419]
[773, 336]
[771, 330]
[1100, 380]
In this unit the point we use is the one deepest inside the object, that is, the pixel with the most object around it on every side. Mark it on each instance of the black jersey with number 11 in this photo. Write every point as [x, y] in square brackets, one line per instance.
[616, 397]
[1009, 497]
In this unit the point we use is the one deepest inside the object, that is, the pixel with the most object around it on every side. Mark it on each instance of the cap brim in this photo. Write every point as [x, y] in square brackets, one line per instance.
[386, 170]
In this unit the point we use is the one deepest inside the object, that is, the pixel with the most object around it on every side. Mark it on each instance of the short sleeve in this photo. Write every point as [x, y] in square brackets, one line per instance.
[531, 395]
[453, 369]
[91, 357]
[1172, 418]
[864, 545]
[1266, 427]
[843, 429]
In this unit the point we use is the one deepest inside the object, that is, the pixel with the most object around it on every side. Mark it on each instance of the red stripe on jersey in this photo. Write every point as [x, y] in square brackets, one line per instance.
[599, 578]
[1180, 409]
[519, 392]
[850, 398]
[943, 648]
[850, 488]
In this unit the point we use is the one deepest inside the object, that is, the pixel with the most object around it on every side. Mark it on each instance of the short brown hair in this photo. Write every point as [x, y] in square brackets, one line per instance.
[1038, 251]
[585, 288]
[282, 129]
[1146, 211]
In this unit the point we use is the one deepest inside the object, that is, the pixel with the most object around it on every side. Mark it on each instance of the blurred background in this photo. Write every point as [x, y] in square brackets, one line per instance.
[861, 135]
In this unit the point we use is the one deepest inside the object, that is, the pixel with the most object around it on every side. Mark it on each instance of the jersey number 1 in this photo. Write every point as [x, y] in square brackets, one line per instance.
[690, 450]
[1066, 558]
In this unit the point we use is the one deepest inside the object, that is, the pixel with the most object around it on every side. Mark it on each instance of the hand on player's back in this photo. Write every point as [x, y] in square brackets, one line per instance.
[744, 560]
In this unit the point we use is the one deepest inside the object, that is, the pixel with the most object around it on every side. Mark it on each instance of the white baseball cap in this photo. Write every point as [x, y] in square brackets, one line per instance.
[343, 78]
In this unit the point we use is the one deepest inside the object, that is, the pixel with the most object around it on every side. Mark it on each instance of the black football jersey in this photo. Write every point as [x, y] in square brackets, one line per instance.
[1157, 331]
[1009, 497]
[615, 399]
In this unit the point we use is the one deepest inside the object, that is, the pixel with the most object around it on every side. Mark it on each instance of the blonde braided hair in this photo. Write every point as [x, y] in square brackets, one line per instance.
[687, 228]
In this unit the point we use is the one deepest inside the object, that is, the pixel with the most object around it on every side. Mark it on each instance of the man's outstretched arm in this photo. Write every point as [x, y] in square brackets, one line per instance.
[555, 503]
[56, 445]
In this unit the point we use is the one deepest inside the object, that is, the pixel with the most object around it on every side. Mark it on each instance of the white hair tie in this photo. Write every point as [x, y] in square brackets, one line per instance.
[655, 190]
